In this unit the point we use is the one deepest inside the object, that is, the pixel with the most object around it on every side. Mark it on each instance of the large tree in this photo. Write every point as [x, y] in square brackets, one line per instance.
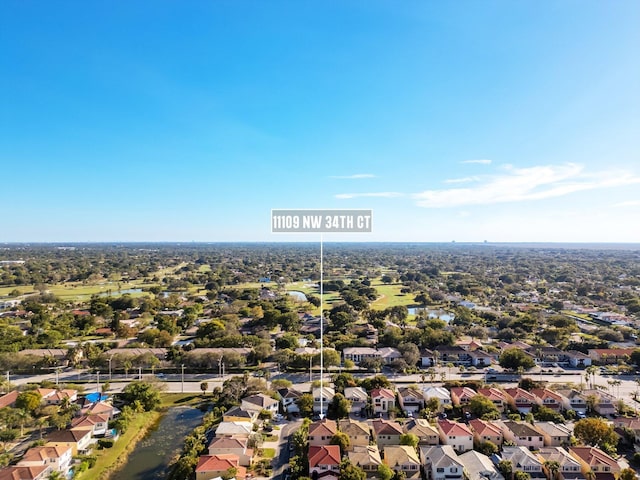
[483, 408]
[595, 431]
[145, 393]
[515, 358]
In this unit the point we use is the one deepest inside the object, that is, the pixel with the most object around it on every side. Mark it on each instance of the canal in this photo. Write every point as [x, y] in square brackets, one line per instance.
[150, 458]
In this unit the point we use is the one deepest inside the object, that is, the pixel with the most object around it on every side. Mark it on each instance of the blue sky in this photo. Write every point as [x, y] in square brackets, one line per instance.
[181, 121]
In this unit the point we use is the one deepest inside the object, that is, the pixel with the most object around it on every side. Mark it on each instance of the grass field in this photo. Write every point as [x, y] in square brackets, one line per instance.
[111, 458]
[390, 296]
[181, 399]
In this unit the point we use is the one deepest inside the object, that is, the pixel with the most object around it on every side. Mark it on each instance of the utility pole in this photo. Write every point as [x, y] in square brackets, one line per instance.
[110, 358]
[182, 378]
[98, 381]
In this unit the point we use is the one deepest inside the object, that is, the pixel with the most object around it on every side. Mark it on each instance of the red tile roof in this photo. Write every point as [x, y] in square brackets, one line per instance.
[454, 428]
[221, 463]
[324, 455]
[8, 399]
[382, 392]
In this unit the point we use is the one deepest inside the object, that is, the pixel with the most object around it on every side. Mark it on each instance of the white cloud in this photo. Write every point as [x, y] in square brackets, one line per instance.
[628, 203]
[370, 194]
[478, 162]
[523, 184]
[462, 180]
[356, 176]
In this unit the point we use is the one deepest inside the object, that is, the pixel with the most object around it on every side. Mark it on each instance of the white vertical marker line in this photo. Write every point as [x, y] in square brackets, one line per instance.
[321, 326]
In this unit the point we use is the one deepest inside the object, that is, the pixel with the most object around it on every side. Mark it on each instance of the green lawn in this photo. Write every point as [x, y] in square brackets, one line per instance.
[390, 296]
[268, 452]
[181, 399]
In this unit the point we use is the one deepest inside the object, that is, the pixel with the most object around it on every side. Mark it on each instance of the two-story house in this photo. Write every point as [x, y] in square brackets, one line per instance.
[324, 462]
[594, 460]
[461, 396]
[441, 462]
[260, 402]
[576, 401]
[322, 397]
[98, 424]
[522, 400]
[555, 434]
[58, 458]
[569, 467]
[499, 398]
[367, 458]
[549, 398]
[479, 467]
[402, 458]
[427, 434]
[358, 398]
[322, 431]
[457, 435]
[234, 446]
[442, 394]
[410, 399]
[386, 432]
[603, 403]
[76, 439]
[214, 466]
[358, 432]
[383, 400]
[484, 431]
[289, 399]
[40, 472]
[522, 460]
[522, 434]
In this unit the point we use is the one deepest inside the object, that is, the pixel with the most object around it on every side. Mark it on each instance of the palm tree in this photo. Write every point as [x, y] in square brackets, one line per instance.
[127, 366]
[506, 468]
[591, 371]
[23, 418]
[41, 423]
[553, 467]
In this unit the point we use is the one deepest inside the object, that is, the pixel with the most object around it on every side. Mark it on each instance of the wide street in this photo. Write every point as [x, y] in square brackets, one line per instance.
[191, 383]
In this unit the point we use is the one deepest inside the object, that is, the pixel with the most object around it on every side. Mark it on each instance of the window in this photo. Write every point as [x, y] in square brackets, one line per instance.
[440, 470]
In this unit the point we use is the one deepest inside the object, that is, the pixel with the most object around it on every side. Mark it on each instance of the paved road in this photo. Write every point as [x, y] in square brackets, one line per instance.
[173, 383]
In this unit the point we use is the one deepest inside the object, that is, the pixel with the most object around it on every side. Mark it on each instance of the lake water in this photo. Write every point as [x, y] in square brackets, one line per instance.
[441, 314]
[150, 458]
[300, 296]
[120, 292]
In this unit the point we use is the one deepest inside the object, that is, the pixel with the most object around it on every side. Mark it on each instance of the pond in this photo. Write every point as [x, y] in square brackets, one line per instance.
[441, 314]
[151, 456]
[112, 292]
[300, 296]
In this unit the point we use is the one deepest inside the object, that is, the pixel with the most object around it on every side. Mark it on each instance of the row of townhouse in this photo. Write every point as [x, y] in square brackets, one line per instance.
[56, 455]
[229, 447]
[357, 354]
[443, 462]
[573, 463]
[324, 460]
[384, 433]
[412, 400]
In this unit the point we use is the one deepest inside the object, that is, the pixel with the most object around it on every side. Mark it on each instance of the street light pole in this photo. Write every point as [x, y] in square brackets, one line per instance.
[110, 358]
[182, 378]
[98, 381]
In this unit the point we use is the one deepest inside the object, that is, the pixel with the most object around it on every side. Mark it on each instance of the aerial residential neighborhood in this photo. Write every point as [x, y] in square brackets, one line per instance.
[496, 388]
